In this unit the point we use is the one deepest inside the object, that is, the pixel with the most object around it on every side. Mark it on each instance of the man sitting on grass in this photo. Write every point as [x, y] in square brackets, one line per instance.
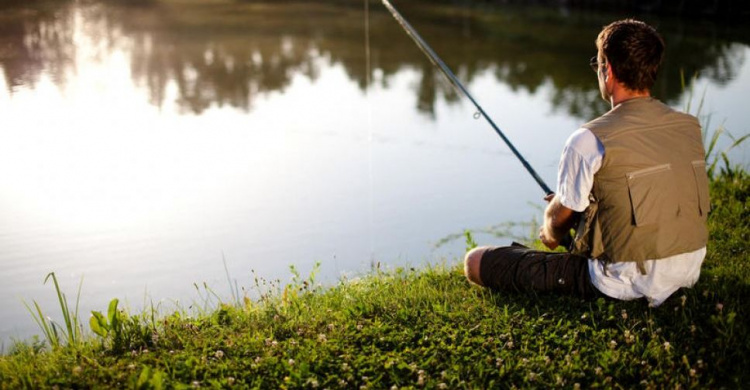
[633, 181]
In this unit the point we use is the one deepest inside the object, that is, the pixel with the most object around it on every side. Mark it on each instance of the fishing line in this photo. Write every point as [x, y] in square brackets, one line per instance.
[370, 180]
[427, 50]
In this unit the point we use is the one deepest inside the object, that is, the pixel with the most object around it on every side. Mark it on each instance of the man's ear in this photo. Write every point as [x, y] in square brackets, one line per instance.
[606, 73]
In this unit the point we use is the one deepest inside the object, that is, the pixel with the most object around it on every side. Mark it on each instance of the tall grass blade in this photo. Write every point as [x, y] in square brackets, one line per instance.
[212, 292]
[153, 315]
[702, 101]
[233, 291]
[727, 167]
[55, 332]
[712, 156]
[63, 302]
[737, 141]
[77, 326]
[710, 150]
[71, 321]
[43, 324]
[714, 139]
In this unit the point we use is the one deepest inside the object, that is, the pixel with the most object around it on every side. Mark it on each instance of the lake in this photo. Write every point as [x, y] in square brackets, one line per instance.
[145, 146]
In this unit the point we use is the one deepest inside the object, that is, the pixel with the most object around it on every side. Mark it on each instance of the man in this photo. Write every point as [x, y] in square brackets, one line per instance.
[632, 182]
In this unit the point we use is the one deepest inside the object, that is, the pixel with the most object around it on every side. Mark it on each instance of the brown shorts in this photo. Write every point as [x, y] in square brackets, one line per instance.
[518, 268]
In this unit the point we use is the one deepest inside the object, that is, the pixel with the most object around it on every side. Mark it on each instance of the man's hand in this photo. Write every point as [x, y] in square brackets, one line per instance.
[558, 220]
[547, 240]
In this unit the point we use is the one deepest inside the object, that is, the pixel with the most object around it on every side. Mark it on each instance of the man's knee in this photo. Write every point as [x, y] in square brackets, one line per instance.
[471, 264]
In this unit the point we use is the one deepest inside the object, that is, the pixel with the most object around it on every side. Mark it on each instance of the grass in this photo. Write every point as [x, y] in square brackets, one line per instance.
[414, 328]
[54, 332]
[713, 156]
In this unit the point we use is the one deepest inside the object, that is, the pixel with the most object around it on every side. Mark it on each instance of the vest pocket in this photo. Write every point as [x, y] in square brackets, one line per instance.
[701, 181]
[650, 191]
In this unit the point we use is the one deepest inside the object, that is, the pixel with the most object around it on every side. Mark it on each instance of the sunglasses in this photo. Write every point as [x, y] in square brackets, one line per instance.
[594, 64]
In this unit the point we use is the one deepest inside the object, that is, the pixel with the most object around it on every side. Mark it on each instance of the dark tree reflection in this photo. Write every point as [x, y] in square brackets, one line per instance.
[229, 53]
[36, 40]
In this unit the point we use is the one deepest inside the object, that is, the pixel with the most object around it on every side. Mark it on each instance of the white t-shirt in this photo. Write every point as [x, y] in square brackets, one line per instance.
[581, 159]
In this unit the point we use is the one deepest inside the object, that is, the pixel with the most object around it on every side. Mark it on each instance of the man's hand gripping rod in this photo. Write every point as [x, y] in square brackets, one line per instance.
[454, 80]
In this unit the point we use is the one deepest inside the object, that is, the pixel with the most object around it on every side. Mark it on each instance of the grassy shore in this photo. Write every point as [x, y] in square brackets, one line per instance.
[429, 328]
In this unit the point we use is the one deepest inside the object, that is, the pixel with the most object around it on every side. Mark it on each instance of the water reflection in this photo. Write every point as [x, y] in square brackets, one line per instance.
[229, 53]
[33, 41]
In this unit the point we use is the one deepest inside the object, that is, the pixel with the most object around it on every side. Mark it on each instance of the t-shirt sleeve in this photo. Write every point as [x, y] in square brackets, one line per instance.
[581, 159]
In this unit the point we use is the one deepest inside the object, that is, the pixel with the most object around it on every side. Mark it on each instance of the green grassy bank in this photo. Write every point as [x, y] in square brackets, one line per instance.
[426, 328]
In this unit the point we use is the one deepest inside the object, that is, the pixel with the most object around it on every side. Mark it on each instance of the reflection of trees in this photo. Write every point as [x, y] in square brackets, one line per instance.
[33, 41]
[531, 47]
[223, 58]
[216, 74]
[227, 53]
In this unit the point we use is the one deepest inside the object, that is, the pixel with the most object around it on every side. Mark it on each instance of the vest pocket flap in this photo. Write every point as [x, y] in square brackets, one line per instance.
[650, 190]
[701, 181]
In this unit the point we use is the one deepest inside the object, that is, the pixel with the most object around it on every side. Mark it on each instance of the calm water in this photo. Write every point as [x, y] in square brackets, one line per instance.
[141, 145]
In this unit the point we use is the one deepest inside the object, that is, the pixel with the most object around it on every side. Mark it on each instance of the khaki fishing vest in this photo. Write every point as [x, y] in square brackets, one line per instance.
[650, 196]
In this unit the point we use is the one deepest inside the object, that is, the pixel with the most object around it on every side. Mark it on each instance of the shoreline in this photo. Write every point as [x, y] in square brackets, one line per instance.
[424, 328]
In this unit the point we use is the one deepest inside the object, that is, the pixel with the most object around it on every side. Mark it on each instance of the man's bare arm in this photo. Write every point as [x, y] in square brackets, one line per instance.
[558, 220]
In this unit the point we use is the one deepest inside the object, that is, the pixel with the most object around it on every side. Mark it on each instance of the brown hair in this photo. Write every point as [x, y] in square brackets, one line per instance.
[634, 50]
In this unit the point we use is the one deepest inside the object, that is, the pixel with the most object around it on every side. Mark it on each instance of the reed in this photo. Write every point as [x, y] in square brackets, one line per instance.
[713, 156]
[53, 332]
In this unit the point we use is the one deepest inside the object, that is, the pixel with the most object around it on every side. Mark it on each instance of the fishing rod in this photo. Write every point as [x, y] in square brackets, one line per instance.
[454, 80]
